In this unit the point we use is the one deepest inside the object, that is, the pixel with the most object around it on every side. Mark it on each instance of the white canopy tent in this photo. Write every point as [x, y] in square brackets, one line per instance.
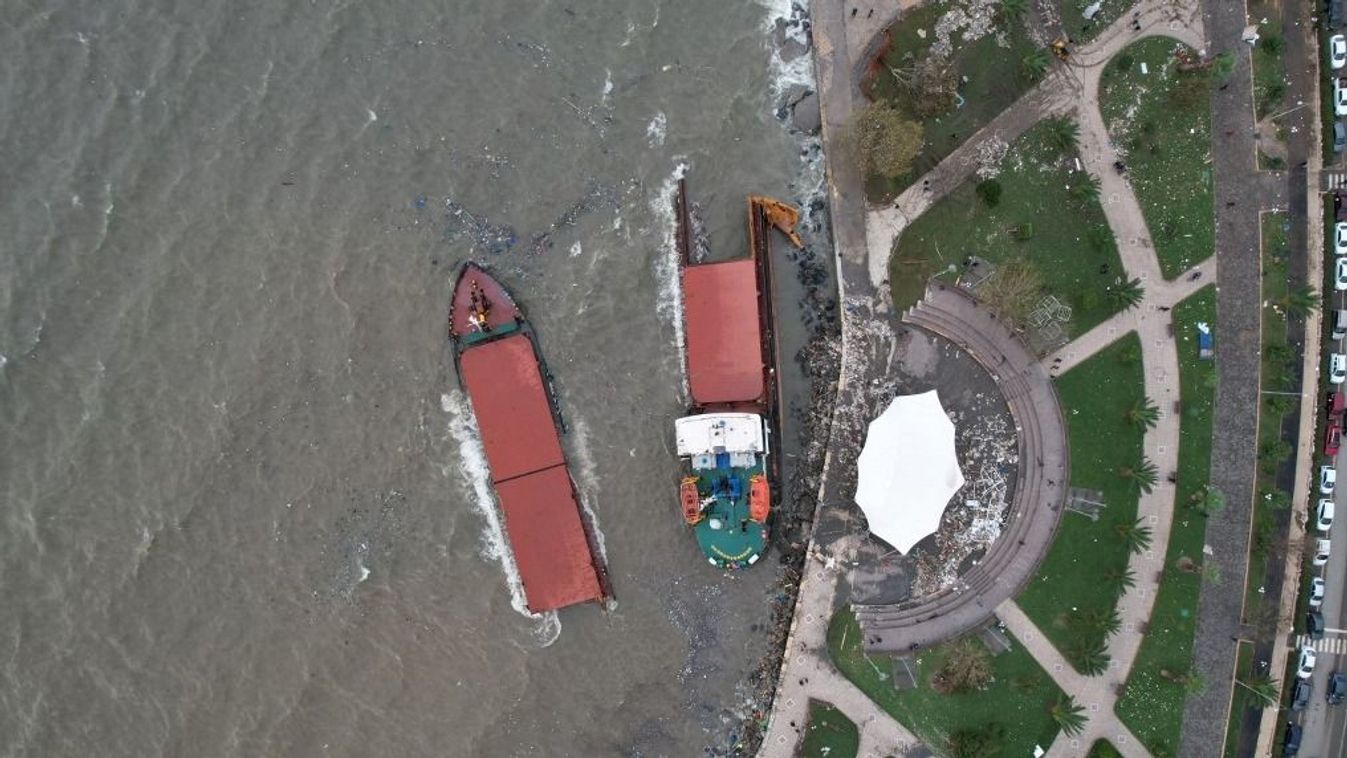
[908, 470]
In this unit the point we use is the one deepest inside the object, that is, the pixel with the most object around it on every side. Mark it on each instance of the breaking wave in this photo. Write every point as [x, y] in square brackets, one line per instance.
[474, 473]
[669, 301]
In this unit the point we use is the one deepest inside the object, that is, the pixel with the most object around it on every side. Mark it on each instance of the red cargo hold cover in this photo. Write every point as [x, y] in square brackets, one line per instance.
[550, 549]
[724, 339]
[512, 409]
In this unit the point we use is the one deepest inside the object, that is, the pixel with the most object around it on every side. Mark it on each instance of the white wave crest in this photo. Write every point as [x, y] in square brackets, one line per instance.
[801, 69]
[474, 473]
[587, 480]
[657, 129]
[669, 300]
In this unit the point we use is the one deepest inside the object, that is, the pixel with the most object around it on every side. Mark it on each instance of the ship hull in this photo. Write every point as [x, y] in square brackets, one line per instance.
[500, 368]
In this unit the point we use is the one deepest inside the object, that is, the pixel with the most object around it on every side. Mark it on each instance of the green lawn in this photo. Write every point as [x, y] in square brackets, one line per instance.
[1269, 65]
[1151, 706]
[1103, 749]
[830, 733]
[1081, 31]
[1070, 587]
[1161, 119]
[1276, 377]
[1017, 699]
[1243, 669]
[994, 74]
[1076, 259]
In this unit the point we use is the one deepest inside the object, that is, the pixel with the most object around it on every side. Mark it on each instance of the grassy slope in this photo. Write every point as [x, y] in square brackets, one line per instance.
[1152, 707]
[1243, 669]
[1167, 146]
[995, 81]
[1018, 697]
[830, 733]
[1095, 397]
[1269, 67]
[1034, 181]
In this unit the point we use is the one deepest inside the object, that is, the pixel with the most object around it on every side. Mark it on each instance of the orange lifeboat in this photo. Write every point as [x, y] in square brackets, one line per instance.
[759, 498]
[692, 502]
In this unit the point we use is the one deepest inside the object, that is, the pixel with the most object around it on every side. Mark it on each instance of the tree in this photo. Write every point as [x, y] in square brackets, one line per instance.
[1120, 579]
[986, 741]
[1143, 413]
[1261, 691]
[1086, 191]
[1272, 44]
[1013, 10]
[1105, 622]
[931, 84]
[1013, 289]
[1068, 716]
[1125, 295]
[1089, 656]
[1063, 134]
[1300, 302]
[1142, 474]
[883, 141]
[1222, 67]
[990, 192]
[1035, 65]
[1135, 536]
[967, 666]
[1271, 453]
[1207, 501]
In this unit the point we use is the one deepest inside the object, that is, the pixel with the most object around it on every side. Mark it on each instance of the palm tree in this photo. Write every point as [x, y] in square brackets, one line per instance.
[1120, 579]
[1264, 690]
[1086, 190]
[1069, 716]
[1125, 294]
[1300, 302]
[1035, 65]
[1142, 474]
[1013, 10]
[1136, 537]
[1208, 500]
[1143, 413]
[1063, 134]
[1089, 656]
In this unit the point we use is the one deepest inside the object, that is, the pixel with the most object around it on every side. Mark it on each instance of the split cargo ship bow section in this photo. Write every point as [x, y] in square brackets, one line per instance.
[501, 370]
[725, 440]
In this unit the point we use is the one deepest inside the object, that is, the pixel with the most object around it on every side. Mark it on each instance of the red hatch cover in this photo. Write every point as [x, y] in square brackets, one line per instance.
[724, 345]
[550, 549]
[512, 409]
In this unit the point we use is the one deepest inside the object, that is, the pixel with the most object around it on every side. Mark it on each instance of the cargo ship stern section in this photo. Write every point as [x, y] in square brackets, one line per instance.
[501, 370]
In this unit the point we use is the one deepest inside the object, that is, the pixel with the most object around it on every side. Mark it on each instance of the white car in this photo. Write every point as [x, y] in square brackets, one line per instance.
[1337, 51]
[1322, 548]
[1316, 592]
[1325, 520]
[1306, 665]
[1337, 368]
[1340, 274]
[1340, 238]
[1339, 98]
[1328, 479]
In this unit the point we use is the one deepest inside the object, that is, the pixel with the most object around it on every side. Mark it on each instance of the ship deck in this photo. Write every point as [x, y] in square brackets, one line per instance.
[739, 537]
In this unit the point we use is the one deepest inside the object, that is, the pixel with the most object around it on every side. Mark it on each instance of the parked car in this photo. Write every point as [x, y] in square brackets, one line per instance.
[1339, 137]
[1314, 625]
[1332, 438]
[1325, 520]
[1337, 688]
[1322, 548]
[1339, 98]
[1336, 403]
[1300, 695]
[1317, 588]
[1339, 324]
[1337, 368]
[1340, 274]
[1340, 238]
[1337, 51]
[1291, 742]
[1305, 667]
[1328, 479]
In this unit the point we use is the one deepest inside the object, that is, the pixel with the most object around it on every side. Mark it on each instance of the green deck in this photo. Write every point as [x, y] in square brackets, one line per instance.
[740, 539]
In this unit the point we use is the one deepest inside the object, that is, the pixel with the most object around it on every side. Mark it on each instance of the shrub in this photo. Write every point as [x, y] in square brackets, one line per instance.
[990, 192]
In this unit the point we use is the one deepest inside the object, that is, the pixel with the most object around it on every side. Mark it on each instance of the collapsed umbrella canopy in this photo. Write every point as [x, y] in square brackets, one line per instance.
[908, 470]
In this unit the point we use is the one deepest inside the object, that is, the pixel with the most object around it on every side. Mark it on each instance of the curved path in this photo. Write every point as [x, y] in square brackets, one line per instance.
[1040, 482]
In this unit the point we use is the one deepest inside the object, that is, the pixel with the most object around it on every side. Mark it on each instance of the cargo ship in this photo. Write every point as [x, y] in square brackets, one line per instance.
[501, 370]
[725, 441]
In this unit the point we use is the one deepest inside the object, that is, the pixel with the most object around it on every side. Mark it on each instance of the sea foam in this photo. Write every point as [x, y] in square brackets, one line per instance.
[669, 300]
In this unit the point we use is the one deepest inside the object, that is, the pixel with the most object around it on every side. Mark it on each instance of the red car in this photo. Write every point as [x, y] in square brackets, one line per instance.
[1336, 402]
[1332, 438]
